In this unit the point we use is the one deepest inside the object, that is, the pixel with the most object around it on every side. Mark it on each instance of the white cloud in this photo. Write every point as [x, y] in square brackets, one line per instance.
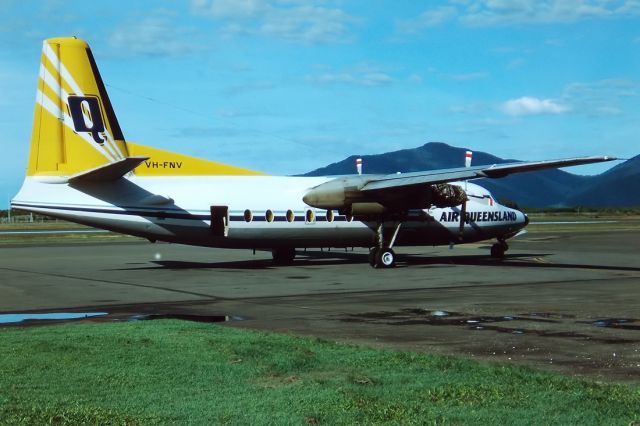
[467, 77]
[362, 74]
[360, 79]
[301, 20]
[602, 98]
[428, 18]
[247, 87]
[513, 12]
[470, 76]
[599, 90]
[516, 63]
[533, 106]
[376, 79]
[229, 8]
[155, 35]
[609, 97]
[415, 79]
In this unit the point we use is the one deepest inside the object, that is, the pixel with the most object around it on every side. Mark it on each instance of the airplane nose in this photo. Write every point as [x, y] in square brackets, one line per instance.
[526, 219]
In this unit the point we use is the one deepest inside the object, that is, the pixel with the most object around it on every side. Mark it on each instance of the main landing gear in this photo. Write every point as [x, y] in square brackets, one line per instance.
[382, 255]
[499, 249]
[283, 255]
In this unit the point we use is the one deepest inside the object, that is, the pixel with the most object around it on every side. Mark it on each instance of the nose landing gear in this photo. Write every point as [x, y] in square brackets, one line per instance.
[499, 249]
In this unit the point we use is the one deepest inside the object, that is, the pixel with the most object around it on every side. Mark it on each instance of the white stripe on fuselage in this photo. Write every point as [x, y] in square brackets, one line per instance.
[120, 206]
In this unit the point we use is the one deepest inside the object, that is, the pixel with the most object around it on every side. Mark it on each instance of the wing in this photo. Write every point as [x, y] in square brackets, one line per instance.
[381, 193]
[464, 173]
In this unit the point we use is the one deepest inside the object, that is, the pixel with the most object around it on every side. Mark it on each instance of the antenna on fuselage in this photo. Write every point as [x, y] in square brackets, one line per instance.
[468, 156]
[359, 165]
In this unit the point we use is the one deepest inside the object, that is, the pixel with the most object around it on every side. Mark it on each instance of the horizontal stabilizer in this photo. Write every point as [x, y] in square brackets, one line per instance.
[108, 172]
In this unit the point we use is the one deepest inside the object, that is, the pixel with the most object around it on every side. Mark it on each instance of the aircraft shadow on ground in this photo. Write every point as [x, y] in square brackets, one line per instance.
[526, 260]
[520, 260]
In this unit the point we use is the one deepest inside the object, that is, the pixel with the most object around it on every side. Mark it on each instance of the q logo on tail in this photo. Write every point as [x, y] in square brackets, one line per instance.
[87, 116]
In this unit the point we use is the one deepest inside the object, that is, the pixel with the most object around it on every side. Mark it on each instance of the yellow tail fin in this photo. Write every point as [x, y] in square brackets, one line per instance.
[74, 126]
[75, 130]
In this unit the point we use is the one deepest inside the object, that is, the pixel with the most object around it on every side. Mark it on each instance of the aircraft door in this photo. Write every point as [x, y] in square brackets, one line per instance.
[219, 221]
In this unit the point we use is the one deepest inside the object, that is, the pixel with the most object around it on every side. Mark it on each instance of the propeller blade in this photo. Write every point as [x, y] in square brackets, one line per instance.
[463, 214]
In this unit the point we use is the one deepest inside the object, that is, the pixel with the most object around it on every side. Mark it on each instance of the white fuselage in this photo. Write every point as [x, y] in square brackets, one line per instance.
[179, 209]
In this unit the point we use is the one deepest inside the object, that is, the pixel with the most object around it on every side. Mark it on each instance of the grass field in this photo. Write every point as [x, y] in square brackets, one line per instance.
[163, 372]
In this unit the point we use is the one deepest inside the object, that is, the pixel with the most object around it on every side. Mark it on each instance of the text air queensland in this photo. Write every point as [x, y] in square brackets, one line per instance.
[495, 216]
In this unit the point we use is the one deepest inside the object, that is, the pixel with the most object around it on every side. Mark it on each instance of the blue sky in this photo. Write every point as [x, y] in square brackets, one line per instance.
[286, 86]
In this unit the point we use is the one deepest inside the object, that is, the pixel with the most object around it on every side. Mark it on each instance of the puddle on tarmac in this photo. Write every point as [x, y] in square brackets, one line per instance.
[187, 317]
[40, 318]
[418, 316]
[623, 323]
[412, 316]
[48, 316]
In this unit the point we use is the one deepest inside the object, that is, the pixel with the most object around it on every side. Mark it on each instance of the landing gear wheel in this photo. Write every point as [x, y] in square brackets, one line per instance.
[283, 255]
[385, 258]
[498, 250]
[381, 255]
[373, 253]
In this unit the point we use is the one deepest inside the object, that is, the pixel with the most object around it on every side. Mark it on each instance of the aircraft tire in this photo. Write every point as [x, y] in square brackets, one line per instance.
[385, 258]
[373, 254]
[283, 255]
[497, 250]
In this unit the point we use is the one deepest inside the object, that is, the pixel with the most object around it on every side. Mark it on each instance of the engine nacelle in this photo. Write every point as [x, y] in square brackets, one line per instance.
[345, 194]
[366, 209]
[336, 194]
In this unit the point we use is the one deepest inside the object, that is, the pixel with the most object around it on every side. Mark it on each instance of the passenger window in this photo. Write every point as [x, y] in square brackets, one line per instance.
[310, 217]
[329, 215]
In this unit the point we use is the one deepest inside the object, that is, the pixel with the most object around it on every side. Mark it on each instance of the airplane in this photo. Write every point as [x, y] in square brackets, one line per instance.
[82, 169]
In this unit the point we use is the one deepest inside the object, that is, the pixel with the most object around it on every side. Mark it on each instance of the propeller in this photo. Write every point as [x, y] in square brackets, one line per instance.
[468, 156]
[463, 213]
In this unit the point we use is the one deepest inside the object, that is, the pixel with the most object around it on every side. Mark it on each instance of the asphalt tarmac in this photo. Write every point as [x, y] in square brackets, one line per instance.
[563, 301]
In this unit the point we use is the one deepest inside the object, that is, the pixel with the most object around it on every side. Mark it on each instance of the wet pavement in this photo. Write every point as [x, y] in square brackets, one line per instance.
[566, 302]
[21, 319]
